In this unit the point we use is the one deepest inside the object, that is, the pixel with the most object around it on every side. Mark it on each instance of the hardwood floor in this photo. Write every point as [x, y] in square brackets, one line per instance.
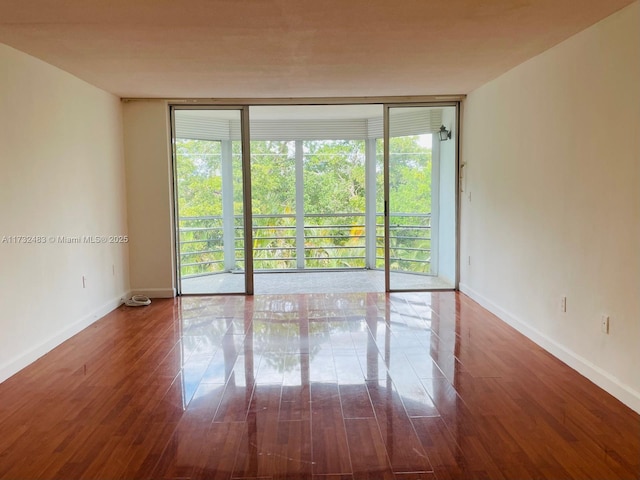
[319, 386]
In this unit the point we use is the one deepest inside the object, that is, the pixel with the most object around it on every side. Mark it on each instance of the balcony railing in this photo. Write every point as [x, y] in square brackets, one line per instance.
[331, 241]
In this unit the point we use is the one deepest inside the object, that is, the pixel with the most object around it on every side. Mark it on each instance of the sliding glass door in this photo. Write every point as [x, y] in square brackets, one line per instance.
[211, 189]
[363, 196]
[313, 171]
[420, 195]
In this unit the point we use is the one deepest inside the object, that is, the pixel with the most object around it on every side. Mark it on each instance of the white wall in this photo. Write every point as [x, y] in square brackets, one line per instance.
[147, 145]
[552, 150]
[447, 202]
[62, 174]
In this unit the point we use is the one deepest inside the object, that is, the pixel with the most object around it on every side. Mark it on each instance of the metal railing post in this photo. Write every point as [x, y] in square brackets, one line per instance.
[334, 244]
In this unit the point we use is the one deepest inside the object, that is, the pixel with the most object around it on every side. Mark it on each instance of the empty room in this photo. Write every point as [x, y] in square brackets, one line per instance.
[320, 240]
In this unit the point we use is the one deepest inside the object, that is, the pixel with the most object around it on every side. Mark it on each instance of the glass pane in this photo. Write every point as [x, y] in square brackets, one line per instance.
[209, 196]
[334, 203]
[422, 184]
[313, 197]
[273, 170]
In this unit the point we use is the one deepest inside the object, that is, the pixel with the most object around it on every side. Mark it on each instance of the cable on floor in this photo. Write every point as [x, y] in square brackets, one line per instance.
[138, 301]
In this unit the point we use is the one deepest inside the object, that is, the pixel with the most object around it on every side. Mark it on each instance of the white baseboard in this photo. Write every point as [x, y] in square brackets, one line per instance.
[156, 292]
[600, 377]
[16, 364]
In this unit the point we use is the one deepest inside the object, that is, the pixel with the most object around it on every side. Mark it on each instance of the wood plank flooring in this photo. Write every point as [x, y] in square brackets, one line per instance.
[319, 386]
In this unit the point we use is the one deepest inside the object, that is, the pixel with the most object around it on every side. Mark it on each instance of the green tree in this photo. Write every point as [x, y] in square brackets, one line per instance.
[334, 183]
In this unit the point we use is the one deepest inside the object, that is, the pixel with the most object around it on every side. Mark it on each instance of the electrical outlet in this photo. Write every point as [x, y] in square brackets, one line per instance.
[563, 304]
[604, 324]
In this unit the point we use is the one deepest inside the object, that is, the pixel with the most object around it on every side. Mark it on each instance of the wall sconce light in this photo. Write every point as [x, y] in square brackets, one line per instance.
[444, 133]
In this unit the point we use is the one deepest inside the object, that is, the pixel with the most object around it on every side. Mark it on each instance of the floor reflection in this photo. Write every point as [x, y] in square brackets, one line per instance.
[318, 380]
[310, 387]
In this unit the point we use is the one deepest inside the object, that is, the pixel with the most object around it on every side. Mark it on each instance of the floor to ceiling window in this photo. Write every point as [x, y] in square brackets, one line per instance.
[209, 198]
[317, 198]
[422, 183]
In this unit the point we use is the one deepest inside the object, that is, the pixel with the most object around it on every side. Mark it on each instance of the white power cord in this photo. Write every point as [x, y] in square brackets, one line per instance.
[138, 301]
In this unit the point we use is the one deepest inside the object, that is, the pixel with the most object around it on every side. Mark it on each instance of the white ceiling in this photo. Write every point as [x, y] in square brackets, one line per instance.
[291, 48]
